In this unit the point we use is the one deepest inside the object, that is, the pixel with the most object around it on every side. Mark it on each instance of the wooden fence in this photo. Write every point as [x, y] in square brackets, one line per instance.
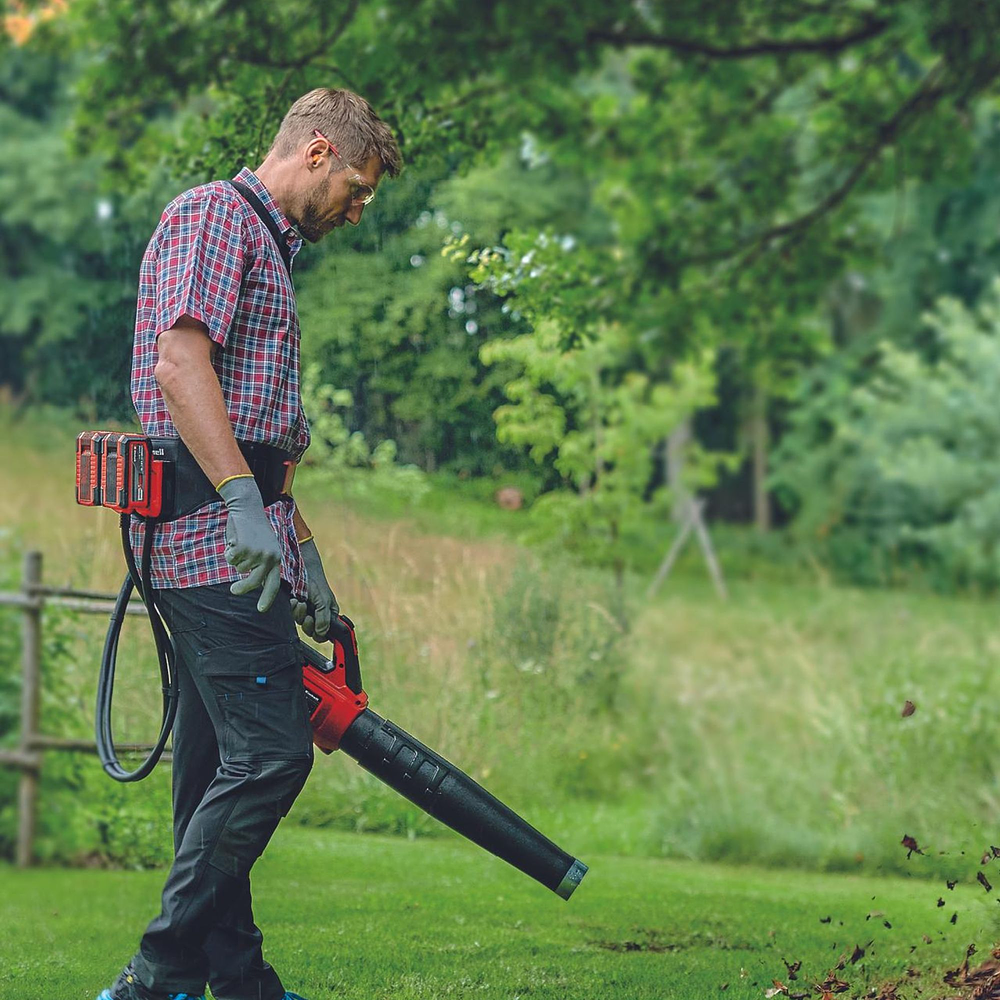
[32, 598]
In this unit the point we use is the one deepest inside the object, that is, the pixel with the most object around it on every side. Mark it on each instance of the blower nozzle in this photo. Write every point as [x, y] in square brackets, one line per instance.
[451, 796]
[342, 720]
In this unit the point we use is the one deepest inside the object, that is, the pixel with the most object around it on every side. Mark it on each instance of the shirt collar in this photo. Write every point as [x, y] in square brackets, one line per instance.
[252, 181]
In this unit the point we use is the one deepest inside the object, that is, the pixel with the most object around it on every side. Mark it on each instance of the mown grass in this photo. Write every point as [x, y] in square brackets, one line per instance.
[374, 918]
[765, 729]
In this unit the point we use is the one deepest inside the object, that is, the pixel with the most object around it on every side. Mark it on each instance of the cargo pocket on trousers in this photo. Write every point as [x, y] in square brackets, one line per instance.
[264, 707]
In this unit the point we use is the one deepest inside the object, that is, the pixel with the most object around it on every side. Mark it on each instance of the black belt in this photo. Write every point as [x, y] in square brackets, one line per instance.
[186, 488]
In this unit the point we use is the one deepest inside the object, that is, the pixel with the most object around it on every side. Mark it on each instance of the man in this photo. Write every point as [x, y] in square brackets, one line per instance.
[216, 362]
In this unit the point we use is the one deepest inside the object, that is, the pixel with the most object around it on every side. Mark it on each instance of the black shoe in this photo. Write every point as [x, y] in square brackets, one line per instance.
[128, 987]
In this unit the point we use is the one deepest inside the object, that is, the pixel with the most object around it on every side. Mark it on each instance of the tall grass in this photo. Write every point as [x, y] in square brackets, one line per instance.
[765, 728]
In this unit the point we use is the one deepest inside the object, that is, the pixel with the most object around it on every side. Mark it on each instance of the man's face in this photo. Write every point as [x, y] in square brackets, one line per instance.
[327, 204]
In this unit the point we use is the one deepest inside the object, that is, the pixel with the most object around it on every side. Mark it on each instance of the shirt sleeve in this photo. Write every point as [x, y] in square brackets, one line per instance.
[199, 265]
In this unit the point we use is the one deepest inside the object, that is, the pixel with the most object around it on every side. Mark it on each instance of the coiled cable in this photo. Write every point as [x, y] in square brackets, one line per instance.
[142, 584]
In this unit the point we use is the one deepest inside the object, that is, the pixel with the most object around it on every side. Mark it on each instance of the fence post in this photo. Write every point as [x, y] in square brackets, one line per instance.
[31, 656]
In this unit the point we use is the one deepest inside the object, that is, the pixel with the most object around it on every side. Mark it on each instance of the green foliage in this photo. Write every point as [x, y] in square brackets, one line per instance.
[69, 252]
[547, 673]
[402, 324]
[940, 238]
[719, 167]
[724, 142]
[579, 397]
[390, 319]
[84, 817]
[337, 453]
[909, 468]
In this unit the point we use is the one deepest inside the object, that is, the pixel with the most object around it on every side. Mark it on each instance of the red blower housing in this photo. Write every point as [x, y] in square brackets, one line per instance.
[333, 686]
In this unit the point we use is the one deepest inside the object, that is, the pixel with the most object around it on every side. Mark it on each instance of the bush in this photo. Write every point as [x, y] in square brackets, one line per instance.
[897, 478]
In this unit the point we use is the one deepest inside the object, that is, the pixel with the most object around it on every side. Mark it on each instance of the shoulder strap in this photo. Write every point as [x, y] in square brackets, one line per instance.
[258, 206]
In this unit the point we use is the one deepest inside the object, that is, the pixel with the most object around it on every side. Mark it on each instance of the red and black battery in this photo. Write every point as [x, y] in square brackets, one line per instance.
[117, 470]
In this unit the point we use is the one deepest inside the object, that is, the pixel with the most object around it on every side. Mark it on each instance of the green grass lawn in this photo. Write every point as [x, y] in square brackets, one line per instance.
[366, 916]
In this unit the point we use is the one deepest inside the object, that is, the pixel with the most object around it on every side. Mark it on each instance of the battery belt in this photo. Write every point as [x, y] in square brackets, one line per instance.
[186, 488]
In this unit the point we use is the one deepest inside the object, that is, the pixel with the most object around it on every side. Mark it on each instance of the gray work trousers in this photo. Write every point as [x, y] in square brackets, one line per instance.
[242, 750]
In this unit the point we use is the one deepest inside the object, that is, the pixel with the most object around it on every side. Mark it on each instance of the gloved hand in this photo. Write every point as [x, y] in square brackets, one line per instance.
[317, 611]
[251, 544]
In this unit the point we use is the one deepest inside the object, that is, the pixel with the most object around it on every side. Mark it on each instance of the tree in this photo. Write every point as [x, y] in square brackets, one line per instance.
[910, 465]
[579, 396]
[68, 252]
[727, 143]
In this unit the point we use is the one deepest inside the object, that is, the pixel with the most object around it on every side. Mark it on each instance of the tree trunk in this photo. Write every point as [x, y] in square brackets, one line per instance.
[760, 441]
[620, 611]
[674, 447]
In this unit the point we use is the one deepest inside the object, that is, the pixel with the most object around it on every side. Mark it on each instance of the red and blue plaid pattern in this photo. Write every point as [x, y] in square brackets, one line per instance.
[212, 258]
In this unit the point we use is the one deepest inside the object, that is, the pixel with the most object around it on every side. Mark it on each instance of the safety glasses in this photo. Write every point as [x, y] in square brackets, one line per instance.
[361, 193]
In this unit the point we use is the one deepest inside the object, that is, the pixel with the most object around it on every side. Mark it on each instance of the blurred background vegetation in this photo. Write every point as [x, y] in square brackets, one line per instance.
[640, 251]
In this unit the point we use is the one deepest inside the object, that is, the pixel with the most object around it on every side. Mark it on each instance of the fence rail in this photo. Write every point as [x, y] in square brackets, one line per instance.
[27, 757]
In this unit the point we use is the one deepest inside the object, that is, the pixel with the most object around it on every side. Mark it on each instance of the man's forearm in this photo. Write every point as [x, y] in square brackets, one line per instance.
[194, 400]
[301, 528]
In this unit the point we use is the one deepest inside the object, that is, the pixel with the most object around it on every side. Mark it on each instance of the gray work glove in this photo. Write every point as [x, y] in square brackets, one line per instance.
[251, 544]
[317, 611]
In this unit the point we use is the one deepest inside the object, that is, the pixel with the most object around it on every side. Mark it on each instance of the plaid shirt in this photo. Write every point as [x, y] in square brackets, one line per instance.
[212, 258]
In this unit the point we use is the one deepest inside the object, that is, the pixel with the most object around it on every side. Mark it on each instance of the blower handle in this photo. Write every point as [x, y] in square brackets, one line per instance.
[341, 634]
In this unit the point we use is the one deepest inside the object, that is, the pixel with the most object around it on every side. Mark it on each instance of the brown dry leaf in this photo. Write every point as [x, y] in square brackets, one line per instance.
[983, 978]
[910, 844]
[888, 992]
[831, 985]
[909, 708]
[984, 881]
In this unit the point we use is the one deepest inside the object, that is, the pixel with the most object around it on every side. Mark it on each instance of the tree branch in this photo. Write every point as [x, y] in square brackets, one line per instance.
[337, 71]
[767, 46]
[275, 95]
[263, 58]
[926, 95]
[470, 95]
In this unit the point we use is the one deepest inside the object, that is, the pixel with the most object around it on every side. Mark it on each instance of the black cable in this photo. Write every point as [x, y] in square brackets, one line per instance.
[164, 653]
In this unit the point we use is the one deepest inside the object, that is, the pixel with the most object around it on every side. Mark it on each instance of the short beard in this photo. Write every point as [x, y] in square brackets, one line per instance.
[313, 226]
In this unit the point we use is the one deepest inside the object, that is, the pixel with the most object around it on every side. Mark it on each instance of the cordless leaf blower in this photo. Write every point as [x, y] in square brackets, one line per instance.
[134, 476]
[341, 720]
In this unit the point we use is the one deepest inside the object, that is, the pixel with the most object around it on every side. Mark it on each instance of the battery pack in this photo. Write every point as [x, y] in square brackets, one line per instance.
[89, 473]
[118, 470]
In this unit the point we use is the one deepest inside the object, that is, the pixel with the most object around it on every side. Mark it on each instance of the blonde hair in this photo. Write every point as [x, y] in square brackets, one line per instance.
[347, 120]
